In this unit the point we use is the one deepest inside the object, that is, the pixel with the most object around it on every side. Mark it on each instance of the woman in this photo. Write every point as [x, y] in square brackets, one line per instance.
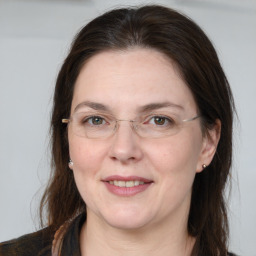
[141, 142]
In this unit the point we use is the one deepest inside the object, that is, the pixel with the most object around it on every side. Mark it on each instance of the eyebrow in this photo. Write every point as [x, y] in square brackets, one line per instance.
[93, 105]
[154, 106]
[142, 109]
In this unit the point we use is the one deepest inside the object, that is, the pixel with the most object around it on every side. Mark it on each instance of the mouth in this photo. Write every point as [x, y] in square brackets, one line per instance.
[126, 186]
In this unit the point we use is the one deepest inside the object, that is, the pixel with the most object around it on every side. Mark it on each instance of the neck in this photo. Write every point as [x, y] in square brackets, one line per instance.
[98, 238]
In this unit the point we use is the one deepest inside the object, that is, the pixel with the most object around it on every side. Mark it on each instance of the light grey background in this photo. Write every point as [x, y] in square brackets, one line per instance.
[34, 39]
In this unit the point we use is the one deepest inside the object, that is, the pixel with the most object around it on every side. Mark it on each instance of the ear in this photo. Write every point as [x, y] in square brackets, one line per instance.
[209, 146]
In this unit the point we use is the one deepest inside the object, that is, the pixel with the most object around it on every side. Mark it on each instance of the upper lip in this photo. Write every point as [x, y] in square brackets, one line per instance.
[127, 178]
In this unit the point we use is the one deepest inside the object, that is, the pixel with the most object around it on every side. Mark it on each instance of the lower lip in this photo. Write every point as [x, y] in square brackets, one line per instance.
[124, 191]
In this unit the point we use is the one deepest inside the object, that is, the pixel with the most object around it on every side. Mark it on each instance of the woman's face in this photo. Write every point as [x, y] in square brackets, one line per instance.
[131, 84]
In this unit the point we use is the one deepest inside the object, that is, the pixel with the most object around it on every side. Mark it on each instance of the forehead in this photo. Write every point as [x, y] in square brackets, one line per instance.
[131, 78]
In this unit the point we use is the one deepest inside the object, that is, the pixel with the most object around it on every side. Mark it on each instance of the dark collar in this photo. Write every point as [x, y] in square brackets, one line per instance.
[68, 237]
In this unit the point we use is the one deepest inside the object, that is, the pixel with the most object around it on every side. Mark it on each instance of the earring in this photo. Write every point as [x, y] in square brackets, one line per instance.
[70, 163]
[204, 166]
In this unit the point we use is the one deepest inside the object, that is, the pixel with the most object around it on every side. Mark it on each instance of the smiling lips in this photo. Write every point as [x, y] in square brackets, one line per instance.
[126, 186]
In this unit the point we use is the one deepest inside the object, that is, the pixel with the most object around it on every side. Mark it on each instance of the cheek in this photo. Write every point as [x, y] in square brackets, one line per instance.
[175, 168]
[86, 155]
[87, 160]
[175, 160]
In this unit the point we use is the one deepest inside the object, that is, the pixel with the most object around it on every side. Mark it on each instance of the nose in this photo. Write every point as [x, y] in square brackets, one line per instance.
[125, 145]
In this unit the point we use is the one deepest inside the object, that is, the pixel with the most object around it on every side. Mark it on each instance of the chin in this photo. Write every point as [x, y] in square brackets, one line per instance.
[125, 224]
[127, 220]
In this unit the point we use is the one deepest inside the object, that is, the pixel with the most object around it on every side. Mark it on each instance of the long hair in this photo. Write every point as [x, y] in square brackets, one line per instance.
[181, 40]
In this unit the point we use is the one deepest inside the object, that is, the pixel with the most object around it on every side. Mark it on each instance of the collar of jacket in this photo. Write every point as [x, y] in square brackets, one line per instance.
[66, 238]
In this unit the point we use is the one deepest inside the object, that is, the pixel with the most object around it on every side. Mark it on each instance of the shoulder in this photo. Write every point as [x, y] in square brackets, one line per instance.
[37, 243]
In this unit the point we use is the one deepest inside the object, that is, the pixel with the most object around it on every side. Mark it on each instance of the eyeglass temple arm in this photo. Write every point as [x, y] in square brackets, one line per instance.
[191, 119]
[65, 120]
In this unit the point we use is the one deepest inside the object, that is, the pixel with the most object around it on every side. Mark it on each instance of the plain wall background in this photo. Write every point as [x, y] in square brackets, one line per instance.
[34, 39]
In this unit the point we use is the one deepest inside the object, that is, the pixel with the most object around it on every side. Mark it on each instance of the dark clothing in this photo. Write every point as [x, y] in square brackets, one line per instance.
[41, 243]
[38, 243]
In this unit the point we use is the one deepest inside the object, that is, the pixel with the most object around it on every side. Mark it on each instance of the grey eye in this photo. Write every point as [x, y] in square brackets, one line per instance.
[95, 120]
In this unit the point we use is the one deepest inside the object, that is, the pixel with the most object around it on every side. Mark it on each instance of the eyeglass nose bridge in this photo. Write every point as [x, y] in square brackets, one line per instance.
[133, 124]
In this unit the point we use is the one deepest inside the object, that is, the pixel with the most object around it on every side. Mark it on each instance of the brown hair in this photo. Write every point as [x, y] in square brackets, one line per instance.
[181, 40]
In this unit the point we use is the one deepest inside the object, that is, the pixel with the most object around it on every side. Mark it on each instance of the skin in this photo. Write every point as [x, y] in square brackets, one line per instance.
[153, 222]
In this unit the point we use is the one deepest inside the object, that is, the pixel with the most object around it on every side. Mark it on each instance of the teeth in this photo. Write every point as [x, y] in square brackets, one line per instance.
[136, 183]
[127, 184]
